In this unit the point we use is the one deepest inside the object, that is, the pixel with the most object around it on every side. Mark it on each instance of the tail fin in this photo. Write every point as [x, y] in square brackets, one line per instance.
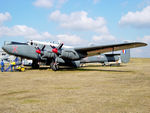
[125, 56]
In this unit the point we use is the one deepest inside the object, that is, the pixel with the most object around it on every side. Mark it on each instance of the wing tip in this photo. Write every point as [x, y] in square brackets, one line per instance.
[142, 43]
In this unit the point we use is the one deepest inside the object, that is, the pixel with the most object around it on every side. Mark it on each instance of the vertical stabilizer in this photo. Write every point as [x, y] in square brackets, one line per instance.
[125, 56]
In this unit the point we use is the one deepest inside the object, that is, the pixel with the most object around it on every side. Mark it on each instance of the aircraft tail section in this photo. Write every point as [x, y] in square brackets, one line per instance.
[125, 56]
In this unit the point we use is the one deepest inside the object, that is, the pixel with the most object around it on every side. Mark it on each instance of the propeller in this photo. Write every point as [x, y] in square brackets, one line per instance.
[40, 51]
[57, 50]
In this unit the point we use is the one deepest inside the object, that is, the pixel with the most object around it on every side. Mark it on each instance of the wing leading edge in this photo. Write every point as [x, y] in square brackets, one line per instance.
[95, 50]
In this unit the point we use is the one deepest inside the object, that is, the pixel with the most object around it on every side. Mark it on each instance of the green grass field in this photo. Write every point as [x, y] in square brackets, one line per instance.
[90, 89]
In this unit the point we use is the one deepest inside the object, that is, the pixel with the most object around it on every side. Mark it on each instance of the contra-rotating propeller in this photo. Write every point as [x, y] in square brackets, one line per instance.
[40, 51]
[57, 50]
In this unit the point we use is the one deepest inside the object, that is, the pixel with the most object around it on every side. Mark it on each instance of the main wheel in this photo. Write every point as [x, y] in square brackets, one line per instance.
[35, 65]
[54, 66]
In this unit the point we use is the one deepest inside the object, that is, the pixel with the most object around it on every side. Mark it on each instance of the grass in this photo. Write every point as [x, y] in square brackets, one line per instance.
[90, 89]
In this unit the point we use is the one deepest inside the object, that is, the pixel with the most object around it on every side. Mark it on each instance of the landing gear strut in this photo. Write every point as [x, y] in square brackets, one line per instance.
[35, 65]
[54, 66]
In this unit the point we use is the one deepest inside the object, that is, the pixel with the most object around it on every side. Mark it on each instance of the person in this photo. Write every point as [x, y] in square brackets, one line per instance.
[2, 66]
[12, 65]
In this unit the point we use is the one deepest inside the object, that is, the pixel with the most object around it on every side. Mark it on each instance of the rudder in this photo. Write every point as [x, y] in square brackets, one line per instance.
[125, 56]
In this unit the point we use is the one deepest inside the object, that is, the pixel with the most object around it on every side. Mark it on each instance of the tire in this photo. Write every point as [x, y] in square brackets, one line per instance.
[35, 66]
[54, 66]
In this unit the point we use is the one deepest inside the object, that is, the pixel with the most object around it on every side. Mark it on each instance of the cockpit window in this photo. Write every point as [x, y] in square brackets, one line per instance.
[30, 42]
[16, 43]
[7, 43]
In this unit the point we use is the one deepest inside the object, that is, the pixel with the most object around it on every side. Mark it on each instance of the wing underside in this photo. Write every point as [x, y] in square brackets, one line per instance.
[95, 50]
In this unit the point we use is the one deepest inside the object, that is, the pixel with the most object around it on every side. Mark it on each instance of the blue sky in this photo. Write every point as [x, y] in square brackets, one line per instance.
[77, 22]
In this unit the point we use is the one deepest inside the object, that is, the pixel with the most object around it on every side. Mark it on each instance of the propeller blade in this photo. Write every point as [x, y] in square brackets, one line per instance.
[52, 46]
[60, 46]
[43, 48]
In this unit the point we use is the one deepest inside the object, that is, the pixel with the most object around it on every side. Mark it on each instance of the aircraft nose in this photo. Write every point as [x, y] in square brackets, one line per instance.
[5, 48]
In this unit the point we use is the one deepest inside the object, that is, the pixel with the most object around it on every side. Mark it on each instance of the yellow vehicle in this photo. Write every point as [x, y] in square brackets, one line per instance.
[17, 67]
[20, 68]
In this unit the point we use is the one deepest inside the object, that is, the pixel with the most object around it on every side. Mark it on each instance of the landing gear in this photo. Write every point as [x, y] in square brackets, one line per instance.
[35, 65]
[54, 66]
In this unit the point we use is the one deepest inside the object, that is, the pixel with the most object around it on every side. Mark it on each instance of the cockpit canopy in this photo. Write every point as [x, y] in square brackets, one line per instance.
[12, 43]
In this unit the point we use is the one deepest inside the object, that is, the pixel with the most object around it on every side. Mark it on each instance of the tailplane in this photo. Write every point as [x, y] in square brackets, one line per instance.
[125, 56]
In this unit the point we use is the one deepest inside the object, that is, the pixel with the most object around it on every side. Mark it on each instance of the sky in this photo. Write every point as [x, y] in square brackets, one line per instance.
[77, 22]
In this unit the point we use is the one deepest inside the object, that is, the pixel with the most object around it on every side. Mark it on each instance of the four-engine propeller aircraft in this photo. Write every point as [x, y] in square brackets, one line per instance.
[57, 56]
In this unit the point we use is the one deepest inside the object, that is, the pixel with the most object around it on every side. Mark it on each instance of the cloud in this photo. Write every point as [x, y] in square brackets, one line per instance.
[31, 34]
[70, 39]
[60, 3]
[96, 1]
[4, 17]
[23, 31]
[79, 21]
[124, 3]
[143, 3]
[49, 3]
[138, 19]
[20, 30]
[142, 51]
[43, 3]
[104, 39]
[145, 39]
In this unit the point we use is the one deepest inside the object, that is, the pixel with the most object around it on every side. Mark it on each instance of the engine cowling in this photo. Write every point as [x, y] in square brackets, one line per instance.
[48, 55]
[72, 55]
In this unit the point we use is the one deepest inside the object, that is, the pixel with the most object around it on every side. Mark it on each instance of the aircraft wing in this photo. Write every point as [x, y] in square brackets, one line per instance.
[95, 50]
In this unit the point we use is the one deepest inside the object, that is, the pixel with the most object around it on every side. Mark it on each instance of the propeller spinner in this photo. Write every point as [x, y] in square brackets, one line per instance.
[58, 49]
[40, 51]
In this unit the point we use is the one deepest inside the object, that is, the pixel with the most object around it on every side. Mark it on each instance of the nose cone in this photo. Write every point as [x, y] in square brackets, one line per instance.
[4, 48]
[7, 49]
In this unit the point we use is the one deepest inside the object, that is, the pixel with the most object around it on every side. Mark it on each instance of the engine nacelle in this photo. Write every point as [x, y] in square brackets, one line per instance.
[59, 60]
[48, 55]
[72, 55]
